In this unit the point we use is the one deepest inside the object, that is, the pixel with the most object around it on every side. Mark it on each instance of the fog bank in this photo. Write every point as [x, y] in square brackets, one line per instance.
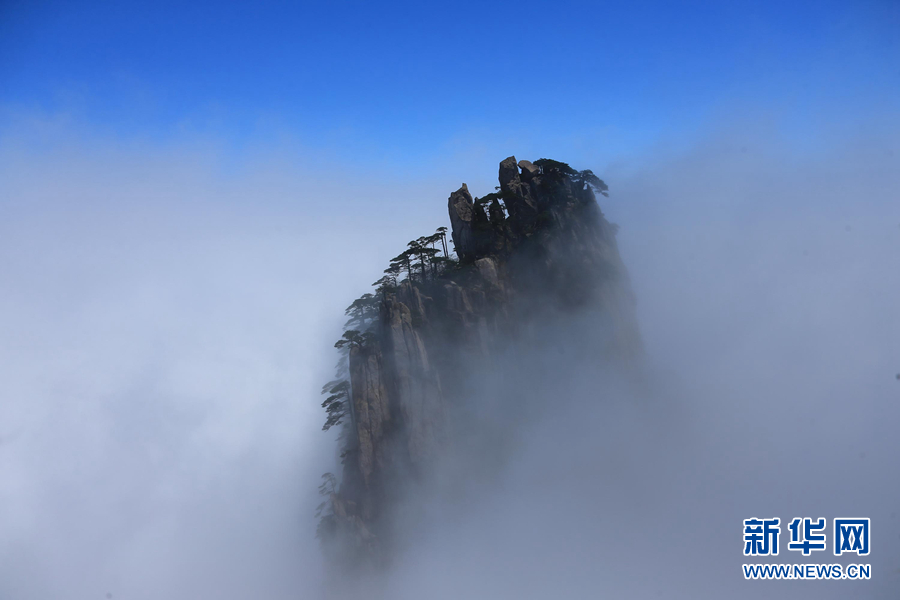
[166, 326]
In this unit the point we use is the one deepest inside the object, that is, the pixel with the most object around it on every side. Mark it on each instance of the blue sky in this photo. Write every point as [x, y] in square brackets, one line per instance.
[405, 81]
[191, 192]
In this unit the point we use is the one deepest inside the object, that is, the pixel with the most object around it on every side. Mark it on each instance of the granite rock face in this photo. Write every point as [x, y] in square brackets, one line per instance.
[462, 215]
[538, 249]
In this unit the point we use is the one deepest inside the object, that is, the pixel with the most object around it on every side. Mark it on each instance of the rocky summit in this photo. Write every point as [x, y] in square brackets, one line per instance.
[531, 258]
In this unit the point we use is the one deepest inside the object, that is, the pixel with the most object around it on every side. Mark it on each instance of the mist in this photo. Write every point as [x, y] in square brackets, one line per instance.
[767, 281]
[167, 324]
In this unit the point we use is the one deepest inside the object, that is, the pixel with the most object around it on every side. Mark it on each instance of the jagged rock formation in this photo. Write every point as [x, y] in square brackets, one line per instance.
[535, 251]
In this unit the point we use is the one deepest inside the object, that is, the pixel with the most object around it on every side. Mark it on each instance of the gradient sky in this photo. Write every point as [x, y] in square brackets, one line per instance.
[191, 192]
[405, 82]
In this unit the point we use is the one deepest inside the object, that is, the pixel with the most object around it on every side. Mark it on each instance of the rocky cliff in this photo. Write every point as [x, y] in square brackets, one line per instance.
[528, 257]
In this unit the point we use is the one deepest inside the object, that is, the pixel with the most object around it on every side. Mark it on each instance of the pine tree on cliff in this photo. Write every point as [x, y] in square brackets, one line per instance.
[362, 312]
[587, 177]
[416, 250]
[353, 338]
[325, 510]
[385, 285]
[442, 232]
[337, 403]
[552, 167]
[400, 263]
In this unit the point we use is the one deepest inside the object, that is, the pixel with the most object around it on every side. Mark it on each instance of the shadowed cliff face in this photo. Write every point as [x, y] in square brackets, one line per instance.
[437, 397]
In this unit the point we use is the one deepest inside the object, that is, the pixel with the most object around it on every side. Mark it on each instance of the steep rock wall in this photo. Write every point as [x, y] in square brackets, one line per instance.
[528, 255]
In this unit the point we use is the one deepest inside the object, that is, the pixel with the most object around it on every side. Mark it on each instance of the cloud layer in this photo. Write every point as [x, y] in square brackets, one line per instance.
[166, 318]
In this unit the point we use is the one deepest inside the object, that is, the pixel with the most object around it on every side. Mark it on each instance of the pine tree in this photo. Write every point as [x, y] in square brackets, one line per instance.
[325, 510]
[337, 404]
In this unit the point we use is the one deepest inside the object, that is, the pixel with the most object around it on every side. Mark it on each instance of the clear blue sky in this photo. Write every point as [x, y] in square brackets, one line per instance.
[403, 78]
